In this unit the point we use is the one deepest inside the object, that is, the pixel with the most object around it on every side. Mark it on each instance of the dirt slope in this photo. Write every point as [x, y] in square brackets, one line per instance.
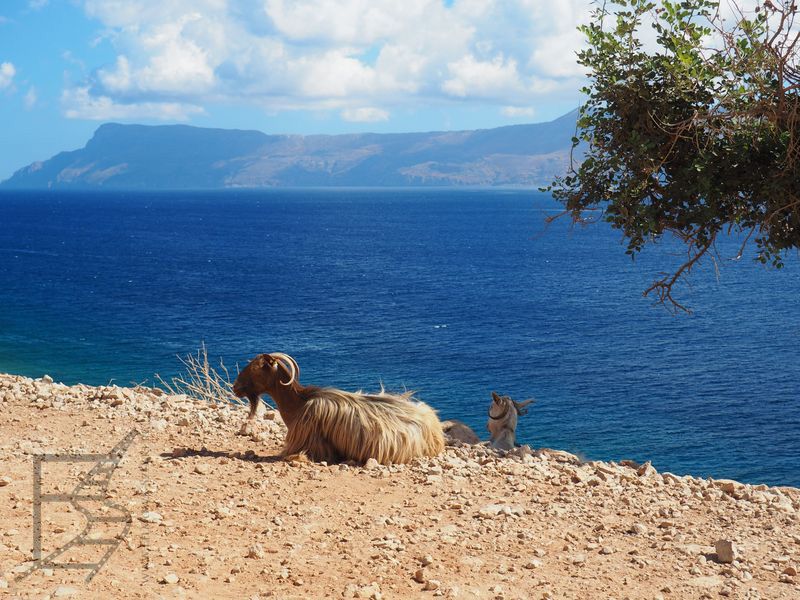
[217, 515]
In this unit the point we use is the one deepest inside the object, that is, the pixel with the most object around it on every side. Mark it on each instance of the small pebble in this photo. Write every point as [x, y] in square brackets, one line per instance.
[726, 551]
[533, 564]
[151, 517]
[638, 529]
[255, 551]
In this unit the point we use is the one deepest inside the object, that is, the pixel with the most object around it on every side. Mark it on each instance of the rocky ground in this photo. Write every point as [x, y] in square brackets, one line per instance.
[218, 515]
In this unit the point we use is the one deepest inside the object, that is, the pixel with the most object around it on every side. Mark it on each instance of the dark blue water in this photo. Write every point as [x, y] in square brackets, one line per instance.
[450, 293]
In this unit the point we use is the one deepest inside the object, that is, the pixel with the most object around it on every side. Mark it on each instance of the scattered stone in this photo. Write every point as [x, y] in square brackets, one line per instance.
[581, 512]
[727, 485]
[151, 517]
[369, 592]
[47, 379]
[64, 591]
[534, 563]
[726, 551]
[371, 464]
[491, 511]
[638, 529]
[256, 551]
[578, 559]
[646, 470]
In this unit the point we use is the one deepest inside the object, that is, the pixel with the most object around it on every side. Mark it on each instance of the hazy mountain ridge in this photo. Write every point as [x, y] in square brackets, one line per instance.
[181, 156]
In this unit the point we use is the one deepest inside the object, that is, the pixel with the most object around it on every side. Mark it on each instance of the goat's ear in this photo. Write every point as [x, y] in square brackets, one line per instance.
[495, 397]
[522, 407]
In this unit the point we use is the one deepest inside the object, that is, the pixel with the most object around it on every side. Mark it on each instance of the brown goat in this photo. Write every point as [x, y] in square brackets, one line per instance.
[333, 425]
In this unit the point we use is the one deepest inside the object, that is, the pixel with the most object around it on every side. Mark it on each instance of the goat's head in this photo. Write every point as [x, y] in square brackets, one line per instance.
[266, 374]
[501, 405]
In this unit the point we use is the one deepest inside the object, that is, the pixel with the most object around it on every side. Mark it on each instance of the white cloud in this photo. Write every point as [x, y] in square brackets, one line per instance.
[324, 54]
[555, 56]
[366, 114]
[79, 103]
[496, 79]
[30, 99]
[333, 75]
[38, 4]
[7, 72]
[514, 112]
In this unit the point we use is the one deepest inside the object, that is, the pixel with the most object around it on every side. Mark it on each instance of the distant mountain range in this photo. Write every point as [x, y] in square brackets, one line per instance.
[184, 157]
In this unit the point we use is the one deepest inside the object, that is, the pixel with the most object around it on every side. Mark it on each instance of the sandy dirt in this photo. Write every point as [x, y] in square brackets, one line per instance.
[206, 513]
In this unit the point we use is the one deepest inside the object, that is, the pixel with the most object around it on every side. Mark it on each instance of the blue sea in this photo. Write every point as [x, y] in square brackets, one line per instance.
[450, 293]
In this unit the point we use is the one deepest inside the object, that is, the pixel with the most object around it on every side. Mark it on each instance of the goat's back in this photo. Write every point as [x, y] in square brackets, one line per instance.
[338, 425]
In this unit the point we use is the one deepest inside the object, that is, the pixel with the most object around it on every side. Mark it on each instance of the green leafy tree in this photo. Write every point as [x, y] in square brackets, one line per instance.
[690, 128]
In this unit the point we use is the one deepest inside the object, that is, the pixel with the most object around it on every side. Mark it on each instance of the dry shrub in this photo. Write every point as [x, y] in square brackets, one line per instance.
[201, 380]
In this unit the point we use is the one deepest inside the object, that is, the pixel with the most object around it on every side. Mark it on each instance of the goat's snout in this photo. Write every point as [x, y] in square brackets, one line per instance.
[242, 384]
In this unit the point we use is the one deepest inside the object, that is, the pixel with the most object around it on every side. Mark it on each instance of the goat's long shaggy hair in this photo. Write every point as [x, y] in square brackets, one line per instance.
[336, 425]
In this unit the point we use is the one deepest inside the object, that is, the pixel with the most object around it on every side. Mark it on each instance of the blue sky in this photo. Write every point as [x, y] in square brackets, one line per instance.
[280, 66]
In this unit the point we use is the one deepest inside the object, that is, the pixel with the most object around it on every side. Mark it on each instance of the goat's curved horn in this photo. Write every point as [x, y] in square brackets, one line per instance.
[294, 362]
[296, 368]
[289, 363]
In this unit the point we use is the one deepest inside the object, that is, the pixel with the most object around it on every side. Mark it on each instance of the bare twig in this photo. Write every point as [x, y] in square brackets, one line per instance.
[663, 287]
[201, 380]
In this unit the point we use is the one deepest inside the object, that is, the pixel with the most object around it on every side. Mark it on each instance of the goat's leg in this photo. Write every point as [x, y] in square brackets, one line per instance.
[249, 427]
[315, 448]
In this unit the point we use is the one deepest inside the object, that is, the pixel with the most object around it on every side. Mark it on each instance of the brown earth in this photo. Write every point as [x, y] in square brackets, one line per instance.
[217, 515]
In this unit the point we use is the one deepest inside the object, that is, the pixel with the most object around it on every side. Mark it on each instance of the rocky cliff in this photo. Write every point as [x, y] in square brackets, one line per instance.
[184, 157]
